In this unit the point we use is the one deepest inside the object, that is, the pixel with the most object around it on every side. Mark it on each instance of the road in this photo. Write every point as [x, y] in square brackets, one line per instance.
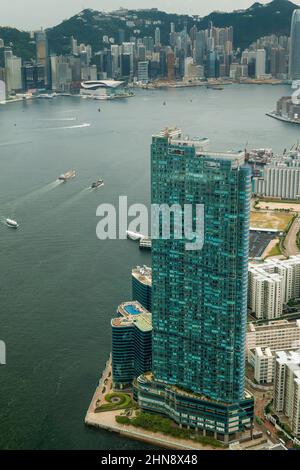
[290, 243]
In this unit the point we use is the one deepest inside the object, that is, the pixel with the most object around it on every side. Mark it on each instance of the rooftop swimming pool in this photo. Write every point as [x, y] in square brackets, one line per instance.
[131, 310]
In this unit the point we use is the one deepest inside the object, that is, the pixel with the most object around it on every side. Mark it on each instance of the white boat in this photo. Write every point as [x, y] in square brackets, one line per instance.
[134, 235]
[47, 96]
[12, 223]
[66, 176]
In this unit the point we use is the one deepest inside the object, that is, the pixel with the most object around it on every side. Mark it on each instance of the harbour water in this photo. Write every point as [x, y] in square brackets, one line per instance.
[60, 285]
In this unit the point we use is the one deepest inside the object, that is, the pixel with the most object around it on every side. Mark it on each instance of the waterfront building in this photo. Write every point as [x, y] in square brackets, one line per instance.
[142, 286]
[287, 388]
[131, 344]
[61, 74]
[102, 89]
[13, 71]
[2, 90]
[42, 54]
[260, 63]
[281, 177]
[34, 77]
[294, 64]
[199, 297]
[143, 71]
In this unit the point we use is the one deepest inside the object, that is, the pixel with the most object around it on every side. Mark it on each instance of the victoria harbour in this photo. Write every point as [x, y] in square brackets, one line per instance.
[60, 285]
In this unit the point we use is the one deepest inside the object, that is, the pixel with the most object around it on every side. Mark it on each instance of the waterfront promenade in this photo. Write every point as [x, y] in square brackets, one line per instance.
[107, 421]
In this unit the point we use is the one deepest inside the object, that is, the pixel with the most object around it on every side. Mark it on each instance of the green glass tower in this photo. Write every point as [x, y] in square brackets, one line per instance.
[199, 296]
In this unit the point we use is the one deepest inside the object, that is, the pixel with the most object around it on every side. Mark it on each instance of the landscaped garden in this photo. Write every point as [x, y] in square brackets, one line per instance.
[115, 401]
[158, 423]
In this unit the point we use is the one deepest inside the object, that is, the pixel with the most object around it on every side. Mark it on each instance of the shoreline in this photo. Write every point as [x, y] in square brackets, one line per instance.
[281, 118]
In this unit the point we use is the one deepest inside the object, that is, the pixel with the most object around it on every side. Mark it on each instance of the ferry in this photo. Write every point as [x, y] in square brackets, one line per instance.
[134, 235]
[66, 176]
[12, 223]
[97, 184]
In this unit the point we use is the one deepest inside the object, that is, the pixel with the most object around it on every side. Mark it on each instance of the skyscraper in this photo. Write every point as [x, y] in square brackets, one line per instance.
[42, 54]
[294, 71]
[199, 297]
[157, 37]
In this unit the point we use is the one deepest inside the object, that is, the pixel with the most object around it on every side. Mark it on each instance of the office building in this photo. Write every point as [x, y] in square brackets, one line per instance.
[131, 344]
[13, 71]
[260, 63]
[294, 64]
[42, 54]
[199, 296]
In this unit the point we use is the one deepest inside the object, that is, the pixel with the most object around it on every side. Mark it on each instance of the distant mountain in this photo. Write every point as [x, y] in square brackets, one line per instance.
[89, 26]
[257, 21]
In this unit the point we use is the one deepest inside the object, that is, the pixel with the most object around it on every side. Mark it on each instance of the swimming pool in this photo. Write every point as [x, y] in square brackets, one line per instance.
[131, 310]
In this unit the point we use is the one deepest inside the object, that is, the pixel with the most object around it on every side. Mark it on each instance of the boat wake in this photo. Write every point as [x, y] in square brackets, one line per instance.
[79, 126]
[31, 196]
[8, 144]
[58, 119]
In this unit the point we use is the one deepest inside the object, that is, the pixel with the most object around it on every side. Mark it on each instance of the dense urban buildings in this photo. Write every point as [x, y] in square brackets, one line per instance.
[199, 298]
[273, 284]
[264, 341]
[188, 55]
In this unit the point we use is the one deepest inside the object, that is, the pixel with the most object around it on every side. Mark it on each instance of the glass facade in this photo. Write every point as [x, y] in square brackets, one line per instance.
[142, 289]
[131, 344]
[199, 298]
[294, 71]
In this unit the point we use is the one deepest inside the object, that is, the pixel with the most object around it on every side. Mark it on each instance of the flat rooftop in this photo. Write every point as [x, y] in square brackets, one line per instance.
[178, 139]
[143, 274]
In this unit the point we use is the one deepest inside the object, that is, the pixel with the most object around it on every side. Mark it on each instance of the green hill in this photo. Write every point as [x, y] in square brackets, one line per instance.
[89, 26]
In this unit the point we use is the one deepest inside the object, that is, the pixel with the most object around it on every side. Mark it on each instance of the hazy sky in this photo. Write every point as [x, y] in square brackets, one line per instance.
[32, 14]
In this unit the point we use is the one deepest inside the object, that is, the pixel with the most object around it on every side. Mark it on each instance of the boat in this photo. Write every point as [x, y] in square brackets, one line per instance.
[66, 176]
[215, 87]
[47, 96]
[97, 184]
[12, 223]
[134, 235]
[146, 243]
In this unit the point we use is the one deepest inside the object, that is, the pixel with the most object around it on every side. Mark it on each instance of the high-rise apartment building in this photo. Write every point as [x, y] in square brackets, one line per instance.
[287, 388]
[199, 297]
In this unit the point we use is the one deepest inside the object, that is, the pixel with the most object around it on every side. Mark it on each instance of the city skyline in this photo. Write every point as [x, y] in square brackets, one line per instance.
[33, 17]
